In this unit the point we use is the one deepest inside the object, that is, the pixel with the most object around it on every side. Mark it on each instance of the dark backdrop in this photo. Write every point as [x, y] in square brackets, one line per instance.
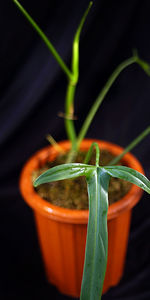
[32, 89]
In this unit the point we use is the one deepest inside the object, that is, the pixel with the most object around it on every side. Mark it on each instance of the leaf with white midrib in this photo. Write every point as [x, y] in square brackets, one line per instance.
[64, 171]
[97, 238]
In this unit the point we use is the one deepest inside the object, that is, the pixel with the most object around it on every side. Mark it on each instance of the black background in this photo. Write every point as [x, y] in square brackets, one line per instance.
[32, 90]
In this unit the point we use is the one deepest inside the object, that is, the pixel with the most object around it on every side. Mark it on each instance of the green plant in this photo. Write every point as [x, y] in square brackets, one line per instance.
[72, 77]
[97, 177]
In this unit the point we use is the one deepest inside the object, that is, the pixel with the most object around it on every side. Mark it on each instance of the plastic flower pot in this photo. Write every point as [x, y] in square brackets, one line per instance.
[62, 232]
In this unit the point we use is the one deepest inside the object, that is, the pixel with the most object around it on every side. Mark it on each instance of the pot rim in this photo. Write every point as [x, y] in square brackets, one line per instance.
[70, 215]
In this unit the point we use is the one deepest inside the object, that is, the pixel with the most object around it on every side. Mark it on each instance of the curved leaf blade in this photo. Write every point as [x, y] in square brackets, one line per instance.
[97, 236]
[130, 175]
[64, 171]
[75, 48]
[97, 103]
[45, 39]
[132, 145]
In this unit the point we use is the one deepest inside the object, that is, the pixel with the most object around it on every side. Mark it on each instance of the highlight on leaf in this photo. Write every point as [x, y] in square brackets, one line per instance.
[130, 175]
[97, 236]
[64, 171]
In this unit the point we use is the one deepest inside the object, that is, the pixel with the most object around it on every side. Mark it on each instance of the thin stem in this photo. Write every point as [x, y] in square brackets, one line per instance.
[52, 142]
[75, 48]
[69, 111]
[46, 41]
[69, 102]
[133, 144]
[101, 97]
[142, 63]
[89, 153]
[134, 59]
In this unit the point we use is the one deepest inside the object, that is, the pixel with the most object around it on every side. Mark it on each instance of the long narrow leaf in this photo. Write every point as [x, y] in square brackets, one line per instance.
[101, 97]
[64, 171]
[130, 175]
[45, 39]
[132, 145]
[134, 59]
[97, 237]
[75, 50]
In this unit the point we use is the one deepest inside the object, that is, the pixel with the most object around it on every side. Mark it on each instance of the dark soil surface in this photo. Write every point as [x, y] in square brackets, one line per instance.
[72, 194]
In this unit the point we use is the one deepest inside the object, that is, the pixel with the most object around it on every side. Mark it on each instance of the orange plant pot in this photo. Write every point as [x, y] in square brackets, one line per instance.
[62, 232]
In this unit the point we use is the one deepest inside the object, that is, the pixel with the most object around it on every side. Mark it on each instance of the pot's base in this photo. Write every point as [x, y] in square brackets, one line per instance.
[65, 255]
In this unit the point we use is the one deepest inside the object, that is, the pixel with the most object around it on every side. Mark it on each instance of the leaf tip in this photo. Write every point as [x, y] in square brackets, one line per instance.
[16, 2]
[35, 183]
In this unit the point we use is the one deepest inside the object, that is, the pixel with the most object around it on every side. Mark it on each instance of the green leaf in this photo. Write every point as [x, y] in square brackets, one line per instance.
[89, 153]
[133, 144]
[71, 88]
[97, 236]
[130, 175]
[88, 120]
[64, 171]
[45, 39]
[101, 97]
[75, 49]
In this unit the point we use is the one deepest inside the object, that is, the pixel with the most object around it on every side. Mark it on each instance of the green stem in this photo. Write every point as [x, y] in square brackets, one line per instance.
[101, 97]
[142, 63]
[69, 102]
[133, 144]
[47, 42]
[69, 115]
[75, 48]
[89, 153]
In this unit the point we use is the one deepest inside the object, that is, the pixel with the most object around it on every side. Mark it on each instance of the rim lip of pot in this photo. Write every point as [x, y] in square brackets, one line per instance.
[69, 215]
